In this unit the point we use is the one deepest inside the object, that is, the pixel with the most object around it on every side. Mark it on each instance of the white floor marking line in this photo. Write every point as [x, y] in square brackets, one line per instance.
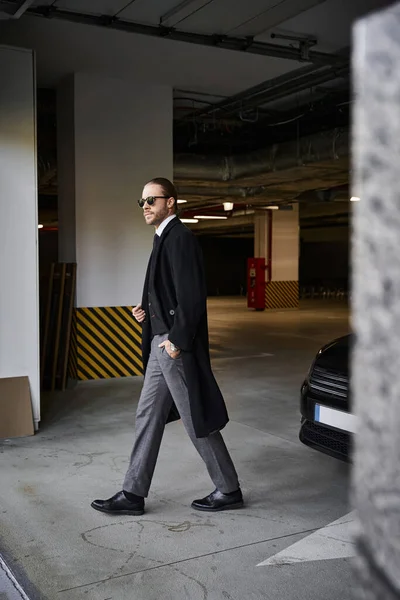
[16, 591]
[333, 541]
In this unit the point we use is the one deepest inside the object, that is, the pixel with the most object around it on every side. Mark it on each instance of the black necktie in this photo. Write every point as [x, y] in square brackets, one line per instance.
[156, 241]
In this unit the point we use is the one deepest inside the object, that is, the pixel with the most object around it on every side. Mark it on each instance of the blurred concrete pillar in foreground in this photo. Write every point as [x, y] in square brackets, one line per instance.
[376, 304]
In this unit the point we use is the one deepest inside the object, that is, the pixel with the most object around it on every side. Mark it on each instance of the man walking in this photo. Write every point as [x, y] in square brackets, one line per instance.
[178, 379]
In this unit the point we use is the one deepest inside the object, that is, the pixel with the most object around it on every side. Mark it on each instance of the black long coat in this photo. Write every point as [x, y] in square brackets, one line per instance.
[180, 290]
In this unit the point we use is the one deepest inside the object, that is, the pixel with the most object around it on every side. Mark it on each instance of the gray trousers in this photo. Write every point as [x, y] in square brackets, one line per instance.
[164, 375]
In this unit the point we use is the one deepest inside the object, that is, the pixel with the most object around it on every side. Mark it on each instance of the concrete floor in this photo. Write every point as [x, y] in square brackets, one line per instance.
[62, 549]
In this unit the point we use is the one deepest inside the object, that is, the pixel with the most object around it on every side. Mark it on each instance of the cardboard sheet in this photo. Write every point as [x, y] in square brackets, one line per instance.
[16, 417]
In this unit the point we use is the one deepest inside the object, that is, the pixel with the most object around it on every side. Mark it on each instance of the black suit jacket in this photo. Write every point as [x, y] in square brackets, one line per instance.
[181, 296]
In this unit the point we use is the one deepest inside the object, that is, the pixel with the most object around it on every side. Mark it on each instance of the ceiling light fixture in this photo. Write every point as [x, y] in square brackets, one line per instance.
[228, 205]
[209, 217]
[272, 207]
[40, 226]
[354, 199]
[181, 201]
[189, 220]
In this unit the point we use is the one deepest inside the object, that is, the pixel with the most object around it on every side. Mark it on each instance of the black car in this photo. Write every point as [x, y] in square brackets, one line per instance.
[326, 420]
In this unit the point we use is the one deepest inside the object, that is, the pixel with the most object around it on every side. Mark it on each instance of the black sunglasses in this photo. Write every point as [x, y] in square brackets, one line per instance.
[150, 200]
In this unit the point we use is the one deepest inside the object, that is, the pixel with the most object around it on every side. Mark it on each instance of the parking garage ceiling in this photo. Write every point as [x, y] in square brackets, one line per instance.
[261, 87]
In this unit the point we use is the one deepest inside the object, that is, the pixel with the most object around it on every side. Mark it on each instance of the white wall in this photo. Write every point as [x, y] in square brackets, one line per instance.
[19, 320]
[285, 245]
[66, 172]
[261, 235]
[122, 138]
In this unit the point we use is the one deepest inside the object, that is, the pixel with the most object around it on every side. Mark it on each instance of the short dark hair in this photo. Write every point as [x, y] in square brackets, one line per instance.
[167, 187]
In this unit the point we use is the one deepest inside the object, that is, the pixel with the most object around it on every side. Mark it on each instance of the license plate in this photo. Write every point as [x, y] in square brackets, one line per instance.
[335, 418]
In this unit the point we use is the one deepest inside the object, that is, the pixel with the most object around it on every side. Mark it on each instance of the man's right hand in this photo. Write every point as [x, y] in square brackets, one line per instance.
[139, 313]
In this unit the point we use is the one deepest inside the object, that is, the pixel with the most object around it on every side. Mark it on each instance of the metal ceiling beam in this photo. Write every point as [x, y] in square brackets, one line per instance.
[273, 16]
[23, 6]
[182, 11]
[247, 45]
[15, 10]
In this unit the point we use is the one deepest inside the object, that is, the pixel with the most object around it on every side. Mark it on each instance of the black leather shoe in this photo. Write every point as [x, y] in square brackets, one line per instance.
[218, 501]
[119, 505]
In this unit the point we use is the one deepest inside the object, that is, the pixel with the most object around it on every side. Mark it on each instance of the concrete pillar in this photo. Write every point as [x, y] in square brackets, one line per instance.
[276, 238]
[376, 303]
[113, 136]
[19, 312]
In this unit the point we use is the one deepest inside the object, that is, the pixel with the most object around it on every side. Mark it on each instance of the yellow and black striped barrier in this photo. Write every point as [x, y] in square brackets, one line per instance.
[73, 351]
[282, 294]
[108, 343]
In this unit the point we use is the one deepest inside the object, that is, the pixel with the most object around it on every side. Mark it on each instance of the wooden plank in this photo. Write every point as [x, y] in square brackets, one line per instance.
[58, 325]
[46, 324]
[67, 324]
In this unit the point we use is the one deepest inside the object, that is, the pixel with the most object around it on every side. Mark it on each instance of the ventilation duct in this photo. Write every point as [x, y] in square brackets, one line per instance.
[316, 148]
[240, 192]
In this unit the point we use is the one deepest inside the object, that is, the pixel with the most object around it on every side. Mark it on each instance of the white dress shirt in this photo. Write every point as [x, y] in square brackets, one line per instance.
[163, 225]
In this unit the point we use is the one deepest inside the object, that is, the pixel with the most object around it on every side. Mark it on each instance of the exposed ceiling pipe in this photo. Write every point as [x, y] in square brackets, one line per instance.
[241, 192]
[227, 103]
[275, 88]
[324, 146]
[239, 44]
[297, 85]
